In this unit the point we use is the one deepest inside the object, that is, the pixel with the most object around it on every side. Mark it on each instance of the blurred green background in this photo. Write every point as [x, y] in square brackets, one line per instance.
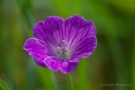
[110, 67]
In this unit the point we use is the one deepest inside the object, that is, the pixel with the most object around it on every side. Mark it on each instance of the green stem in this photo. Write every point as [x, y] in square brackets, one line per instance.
[70, 82]
[3, 85]
[53, 80]
[133, 58]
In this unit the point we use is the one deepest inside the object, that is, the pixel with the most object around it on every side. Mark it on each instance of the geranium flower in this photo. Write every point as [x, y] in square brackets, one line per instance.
[60, 44]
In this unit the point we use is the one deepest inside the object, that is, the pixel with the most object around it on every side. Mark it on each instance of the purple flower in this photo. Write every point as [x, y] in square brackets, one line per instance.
[60, 44]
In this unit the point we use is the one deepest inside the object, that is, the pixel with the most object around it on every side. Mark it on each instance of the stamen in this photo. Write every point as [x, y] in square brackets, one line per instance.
[58, 47]
[63, 42]
[62, 50]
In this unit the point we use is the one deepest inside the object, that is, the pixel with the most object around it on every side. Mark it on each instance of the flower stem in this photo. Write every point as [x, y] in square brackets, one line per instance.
[3, 85]
[70, 82]
[54, 80]
[133, 58]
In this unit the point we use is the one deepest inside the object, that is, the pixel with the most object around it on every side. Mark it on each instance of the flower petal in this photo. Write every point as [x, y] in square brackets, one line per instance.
[76, 29]
[36, 48]
[64, 66]
[49, 31]
[53, 64]
[67, 67]
[84, 48]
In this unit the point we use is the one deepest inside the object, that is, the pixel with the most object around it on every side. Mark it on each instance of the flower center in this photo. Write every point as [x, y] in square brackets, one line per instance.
[62, 50]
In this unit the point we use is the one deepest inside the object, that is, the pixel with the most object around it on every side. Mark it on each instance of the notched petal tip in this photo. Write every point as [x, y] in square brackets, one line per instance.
[67, 67]
[52, 64]
[54, 17]
[64, 66]
[54, 20]
[38, 25]
[76, 16]
[38, 30]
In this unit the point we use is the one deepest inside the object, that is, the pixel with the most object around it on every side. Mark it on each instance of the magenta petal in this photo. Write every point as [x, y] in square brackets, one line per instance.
[36, 48]
[67, 67]
[64, 66]
[49, 31]
[52, 64]
[85, 47]
[76, 29]
[39, 30]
